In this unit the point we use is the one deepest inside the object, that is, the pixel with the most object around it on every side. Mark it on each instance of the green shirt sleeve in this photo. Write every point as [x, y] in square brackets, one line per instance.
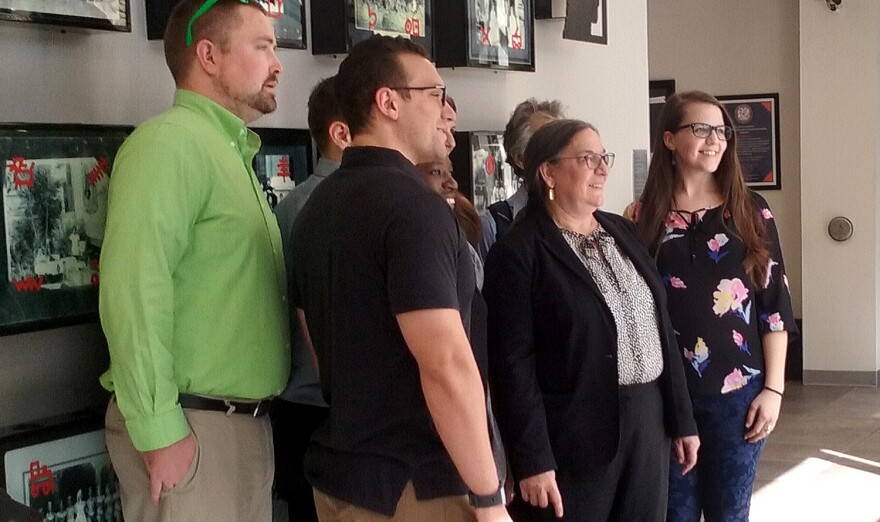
[156, 190]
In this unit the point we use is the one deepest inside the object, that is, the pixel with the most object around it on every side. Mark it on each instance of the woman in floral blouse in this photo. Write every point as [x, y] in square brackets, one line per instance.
[718, 252]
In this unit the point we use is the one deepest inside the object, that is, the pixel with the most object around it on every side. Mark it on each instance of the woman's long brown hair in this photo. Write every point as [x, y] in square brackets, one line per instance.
[658, 194]
[468, 219]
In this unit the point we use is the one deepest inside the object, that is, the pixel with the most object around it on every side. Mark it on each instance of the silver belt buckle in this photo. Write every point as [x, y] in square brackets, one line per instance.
[231, 407]
[257, 408]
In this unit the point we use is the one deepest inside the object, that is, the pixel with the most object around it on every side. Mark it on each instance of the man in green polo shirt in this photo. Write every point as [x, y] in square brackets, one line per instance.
[193, 292]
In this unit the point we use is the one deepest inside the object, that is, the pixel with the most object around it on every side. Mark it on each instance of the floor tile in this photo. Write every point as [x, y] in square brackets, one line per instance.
[822, 461]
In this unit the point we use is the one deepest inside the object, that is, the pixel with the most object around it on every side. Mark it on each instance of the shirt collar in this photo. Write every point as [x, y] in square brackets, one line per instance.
[246, 141]
[379, 157]
[518, 200]
[325, 167]
[599, 235]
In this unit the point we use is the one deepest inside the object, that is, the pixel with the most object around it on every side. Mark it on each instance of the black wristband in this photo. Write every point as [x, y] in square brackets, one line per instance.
[491, 500]
[777, 392]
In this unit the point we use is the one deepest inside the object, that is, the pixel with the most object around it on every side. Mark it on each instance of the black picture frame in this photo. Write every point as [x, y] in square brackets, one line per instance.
[337, 25]
[62, 463]
[288, 18]
[285, 160]
[756, 120]
[470, 35]
[107, 15]
[658, 92]
[479, 165]
[53, 204]
[550, 9]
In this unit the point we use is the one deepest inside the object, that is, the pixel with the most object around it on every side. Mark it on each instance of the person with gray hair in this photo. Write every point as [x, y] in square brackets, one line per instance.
[527, 117]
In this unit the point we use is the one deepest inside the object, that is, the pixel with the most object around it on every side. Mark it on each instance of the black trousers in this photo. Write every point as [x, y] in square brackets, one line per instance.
[633, 486]
[292, 428]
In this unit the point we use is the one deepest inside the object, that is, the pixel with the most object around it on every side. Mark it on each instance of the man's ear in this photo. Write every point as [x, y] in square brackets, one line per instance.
[518, 161]
[387, 102]
[339, 134]
[207, 56]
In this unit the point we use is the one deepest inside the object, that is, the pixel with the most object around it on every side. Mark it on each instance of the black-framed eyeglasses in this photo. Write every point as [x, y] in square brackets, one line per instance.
[441, 87]
[592, 159]
[702, 130]
[440, 173]
[199, 12]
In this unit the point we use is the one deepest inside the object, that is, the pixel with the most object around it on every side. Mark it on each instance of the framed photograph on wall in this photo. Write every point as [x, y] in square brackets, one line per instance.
[480, 167]
[54, 204]
[284, 161]
[756, 120]
[337, 25]
[64, 472]
[110, 15]
[494, 34]
[287, 16]
[658, 92]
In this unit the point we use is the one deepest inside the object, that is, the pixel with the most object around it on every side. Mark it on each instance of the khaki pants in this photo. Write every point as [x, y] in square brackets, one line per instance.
[230, 478]
[409, 509]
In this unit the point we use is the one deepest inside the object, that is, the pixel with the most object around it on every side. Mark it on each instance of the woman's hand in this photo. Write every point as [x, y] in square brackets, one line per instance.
[686, 449]
[762, 415]
[541, 490]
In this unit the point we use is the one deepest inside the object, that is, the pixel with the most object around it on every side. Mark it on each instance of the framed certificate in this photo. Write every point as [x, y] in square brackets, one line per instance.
[756, 120]
[494, 34]
[110, 15]
[337, 25]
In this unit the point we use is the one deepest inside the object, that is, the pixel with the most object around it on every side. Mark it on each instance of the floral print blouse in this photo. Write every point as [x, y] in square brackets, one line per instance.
[718, 313]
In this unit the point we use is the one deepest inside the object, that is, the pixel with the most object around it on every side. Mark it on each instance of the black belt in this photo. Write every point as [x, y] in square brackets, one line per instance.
[196, 402]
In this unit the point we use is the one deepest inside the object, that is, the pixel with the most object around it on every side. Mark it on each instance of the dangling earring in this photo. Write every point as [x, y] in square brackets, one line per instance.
[674, 163]
[550, 194]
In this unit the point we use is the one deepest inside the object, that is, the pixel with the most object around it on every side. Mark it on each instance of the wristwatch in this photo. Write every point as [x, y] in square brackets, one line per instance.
[498, 498]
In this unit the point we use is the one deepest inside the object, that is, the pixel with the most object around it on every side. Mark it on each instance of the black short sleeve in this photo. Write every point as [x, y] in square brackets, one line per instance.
[421, 246]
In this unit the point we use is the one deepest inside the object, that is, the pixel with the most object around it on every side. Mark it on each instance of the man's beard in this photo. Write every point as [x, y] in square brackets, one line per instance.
[263, 102]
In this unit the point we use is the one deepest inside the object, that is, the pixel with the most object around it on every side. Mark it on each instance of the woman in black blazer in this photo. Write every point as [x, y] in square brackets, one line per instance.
[588, 385]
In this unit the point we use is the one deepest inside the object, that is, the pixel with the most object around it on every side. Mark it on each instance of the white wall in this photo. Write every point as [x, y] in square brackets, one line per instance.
[112, 78]
[741, 47]
[840, 103]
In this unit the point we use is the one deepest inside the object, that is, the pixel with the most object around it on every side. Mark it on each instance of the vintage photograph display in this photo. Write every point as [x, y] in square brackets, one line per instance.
[111, 15]
[287, 16]
[64, 473]
[756, 120]
[337, 25]
[54, 204]
[284, 161]
[480, 167]
[496, 34]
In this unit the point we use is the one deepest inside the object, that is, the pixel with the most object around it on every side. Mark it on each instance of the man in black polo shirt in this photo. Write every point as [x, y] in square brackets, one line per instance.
[383, 281]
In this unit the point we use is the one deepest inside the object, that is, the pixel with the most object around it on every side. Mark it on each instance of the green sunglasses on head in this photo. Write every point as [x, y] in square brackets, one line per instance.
[199, 12]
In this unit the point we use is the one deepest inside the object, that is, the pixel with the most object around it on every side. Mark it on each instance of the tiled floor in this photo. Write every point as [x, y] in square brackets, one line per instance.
[822, 462]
